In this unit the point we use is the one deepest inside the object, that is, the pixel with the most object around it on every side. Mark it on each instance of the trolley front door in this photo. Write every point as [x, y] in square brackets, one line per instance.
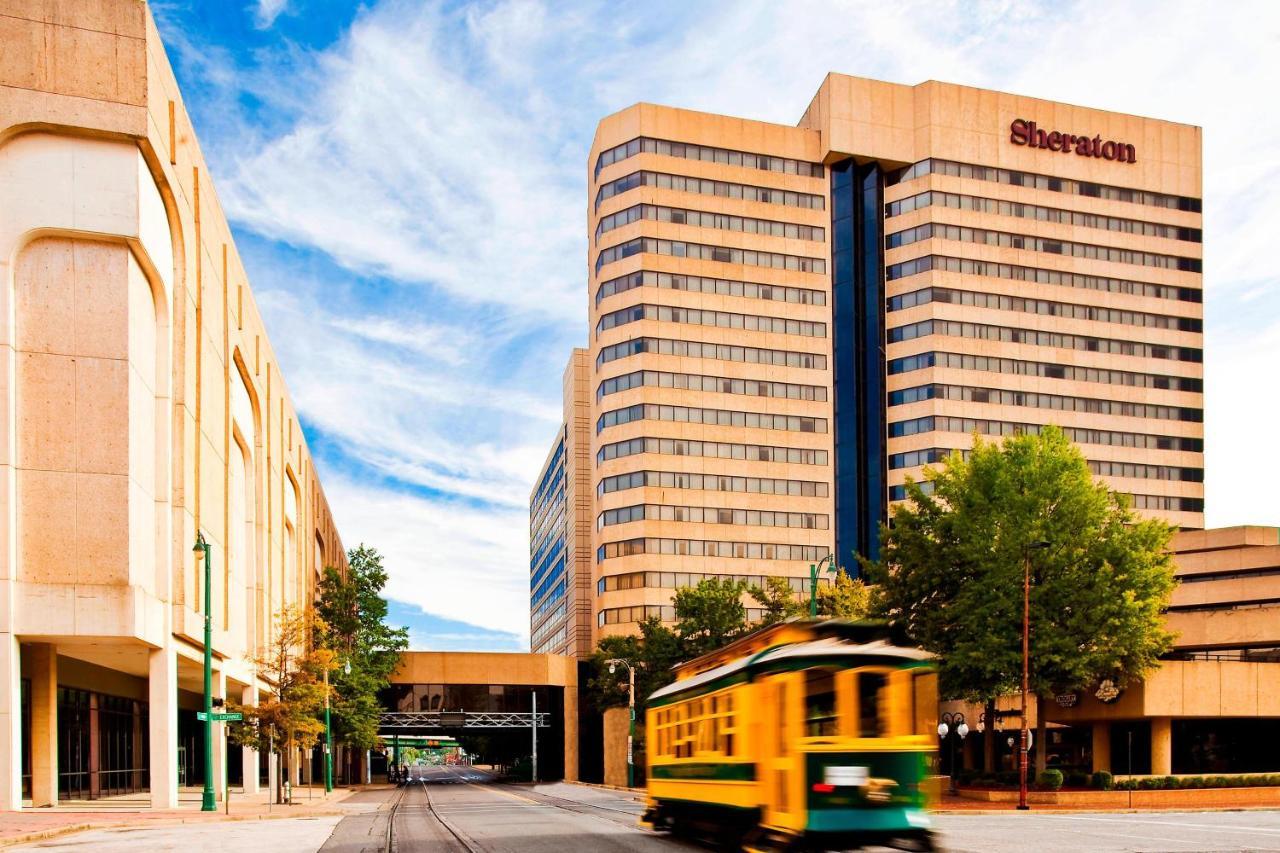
[783, 808]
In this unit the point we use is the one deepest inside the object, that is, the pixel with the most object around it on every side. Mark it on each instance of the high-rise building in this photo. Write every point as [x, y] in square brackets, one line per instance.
[787, 322]
[560, 574]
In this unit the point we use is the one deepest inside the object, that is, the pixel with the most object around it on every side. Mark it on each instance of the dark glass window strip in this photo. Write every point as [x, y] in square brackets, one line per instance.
[1032, 180]
[1041, 214]
[1036, 400]
[1147, 502]
[716, 417]
[712, 483]
[710, 548]
[1017, 367]
[720, 254]
[680, 580]
[706, 154]
[986, 237]
[708, 219]
[707, 317]
[1014, 272]
[942, 423]
[706, 186]
[981, 331]
[712, 515]
[1026, 305]
[717, 384]
[712, 450]
[701, 284]
[1100, 468]
[719, 352]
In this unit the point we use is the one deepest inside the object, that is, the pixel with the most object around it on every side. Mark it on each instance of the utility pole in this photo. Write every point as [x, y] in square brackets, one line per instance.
[328, 739]
[534, 776]
[204, 550]
[1024, 745]
[631, 712]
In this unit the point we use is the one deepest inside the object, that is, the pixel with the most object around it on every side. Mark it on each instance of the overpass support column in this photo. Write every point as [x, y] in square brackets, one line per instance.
[1161, 746]
[1101, 746]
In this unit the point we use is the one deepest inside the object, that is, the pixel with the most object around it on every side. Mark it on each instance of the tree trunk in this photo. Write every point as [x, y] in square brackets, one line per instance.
[1041, 744]
[989, 739]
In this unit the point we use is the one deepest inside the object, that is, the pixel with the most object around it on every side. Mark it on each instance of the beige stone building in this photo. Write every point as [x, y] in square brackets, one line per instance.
[787, 322]
[142, 403]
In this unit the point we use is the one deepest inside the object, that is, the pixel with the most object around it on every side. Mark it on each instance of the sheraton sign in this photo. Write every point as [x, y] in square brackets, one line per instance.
[1026, 133]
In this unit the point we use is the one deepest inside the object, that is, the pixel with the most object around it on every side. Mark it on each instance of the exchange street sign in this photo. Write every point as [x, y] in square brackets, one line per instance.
[216, 717]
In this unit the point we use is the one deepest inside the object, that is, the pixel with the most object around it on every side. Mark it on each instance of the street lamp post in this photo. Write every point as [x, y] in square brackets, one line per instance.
[631, 713]
[1024, 742]
[328, 732]
[204, 550]
[948, 720]
[813, 582]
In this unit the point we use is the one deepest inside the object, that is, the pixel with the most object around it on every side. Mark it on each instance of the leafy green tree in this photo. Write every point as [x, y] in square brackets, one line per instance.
[287, 721]
[653, 653]
[778, 600]
[367, 649]
[952, 562]
[847, 598]
[710, 614]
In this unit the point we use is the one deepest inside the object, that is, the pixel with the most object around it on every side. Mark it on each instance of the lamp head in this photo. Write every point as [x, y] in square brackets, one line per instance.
[201, 545]
[612, 667]
[942, 729]
[962, 730]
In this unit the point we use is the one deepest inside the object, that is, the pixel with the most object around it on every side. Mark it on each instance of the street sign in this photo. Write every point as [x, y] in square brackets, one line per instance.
[216, 717]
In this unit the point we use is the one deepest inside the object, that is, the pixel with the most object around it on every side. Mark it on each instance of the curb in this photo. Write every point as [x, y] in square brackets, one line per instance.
[604, 787]
[1061, 811]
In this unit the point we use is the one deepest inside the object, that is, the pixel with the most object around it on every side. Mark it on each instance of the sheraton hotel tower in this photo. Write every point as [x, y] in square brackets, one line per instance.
[788, 322]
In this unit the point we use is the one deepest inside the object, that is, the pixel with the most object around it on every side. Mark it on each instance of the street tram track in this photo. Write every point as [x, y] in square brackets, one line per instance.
[629, 818]
[466, 843]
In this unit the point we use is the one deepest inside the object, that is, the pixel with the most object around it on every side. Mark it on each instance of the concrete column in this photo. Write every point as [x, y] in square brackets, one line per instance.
[1161, 746]
[10, 723]
[1101, 747]
[249, 757]
[219, 740]
[43, 660]
[162, 698]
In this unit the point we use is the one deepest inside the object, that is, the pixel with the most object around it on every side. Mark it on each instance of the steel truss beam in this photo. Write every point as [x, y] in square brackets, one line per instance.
[461, 720]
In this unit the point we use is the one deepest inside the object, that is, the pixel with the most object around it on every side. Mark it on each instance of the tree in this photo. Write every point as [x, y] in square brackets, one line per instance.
[287, 721]
[653, 654]
[847, 598]
[778, 600]
[952, 563]
[710, 614]
[366, 649]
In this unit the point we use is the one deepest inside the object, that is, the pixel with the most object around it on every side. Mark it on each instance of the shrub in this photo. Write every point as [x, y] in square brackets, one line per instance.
[1049, 780]
[1007, 777]
[1102, 780]
[1076, 779]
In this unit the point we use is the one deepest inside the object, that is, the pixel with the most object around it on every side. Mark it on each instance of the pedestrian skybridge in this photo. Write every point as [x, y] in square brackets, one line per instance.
[413, 720]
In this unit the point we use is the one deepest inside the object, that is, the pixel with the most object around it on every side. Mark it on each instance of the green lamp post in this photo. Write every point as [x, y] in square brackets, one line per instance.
[203, 550]
[830, 559]
[614, 663]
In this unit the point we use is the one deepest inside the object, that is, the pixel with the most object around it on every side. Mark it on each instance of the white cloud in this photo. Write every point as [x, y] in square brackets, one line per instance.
[267, 11]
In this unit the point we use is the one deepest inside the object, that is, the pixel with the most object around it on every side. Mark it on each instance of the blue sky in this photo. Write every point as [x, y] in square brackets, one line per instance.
[407, 185]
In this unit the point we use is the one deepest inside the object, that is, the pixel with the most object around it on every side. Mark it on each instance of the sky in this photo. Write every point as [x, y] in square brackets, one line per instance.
[407, 186]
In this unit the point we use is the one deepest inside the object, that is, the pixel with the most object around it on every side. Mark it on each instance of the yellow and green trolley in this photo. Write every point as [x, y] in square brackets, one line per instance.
[809, 734]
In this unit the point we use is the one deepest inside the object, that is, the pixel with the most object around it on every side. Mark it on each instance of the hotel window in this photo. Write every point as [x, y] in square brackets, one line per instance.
[711, 483]
[706, 317]
[712, 450]
[986, 237]
[716, 417]
[706, 154]
[706, 219]
[1042, 182]
[719, 286]
[1017, 367]
[1026, 305]
[720, 254]
[709, 548]
[715, 384]
[1015, 272]
[980, 331]
[705, 186]
[1035, 400]
[712, 515]
[1041, 214]
[940, 423]
[719, 352]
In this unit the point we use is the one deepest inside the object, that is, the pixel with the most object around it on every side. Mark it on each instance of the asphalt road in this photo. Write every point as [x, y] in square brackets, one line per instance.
[443, 813]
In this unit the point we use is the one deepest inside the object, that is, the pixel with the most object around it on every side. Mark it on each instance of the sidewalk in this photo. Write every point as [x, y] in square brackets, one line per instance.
[948, 804]
[68, 816]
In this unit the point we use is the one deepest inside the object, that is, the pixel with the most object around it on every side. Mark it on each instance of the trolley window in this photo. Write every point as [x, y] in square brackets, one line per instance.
[872, 719]
[820, 703]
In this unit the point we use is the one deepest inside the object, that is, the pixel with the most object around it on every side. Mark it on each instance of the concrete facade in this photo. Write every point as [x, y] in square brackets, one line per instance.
[560, 577]
[142, 402]
[787, 322]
